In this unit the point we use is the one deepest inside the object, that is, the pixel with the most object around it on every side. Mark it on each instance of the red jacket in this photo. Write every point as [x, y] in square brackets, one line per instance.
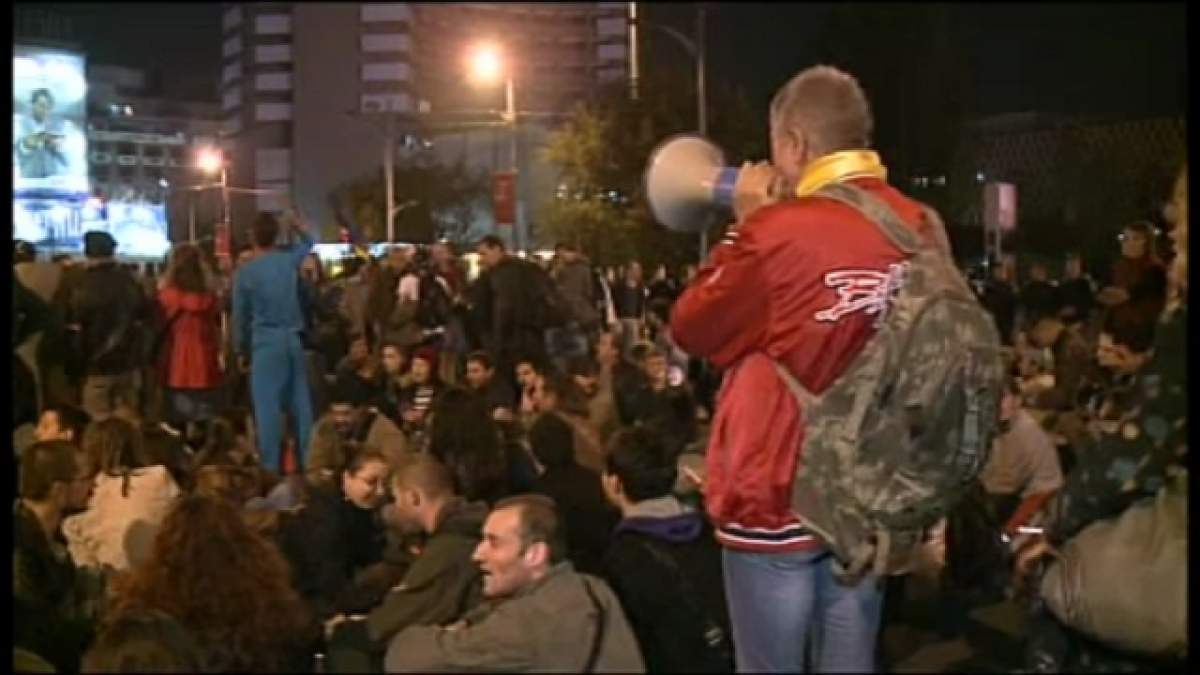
[800, 282]
[189, 356]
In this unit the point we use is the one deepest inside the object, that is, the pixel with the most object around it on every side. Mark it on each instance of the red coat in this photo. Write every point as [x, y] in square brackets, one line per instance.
[797, 282]
[189, 356]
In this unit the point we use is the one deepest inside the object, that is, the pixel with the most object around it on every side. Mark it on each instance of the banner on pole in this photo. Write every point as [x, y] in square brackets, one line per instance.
[504, 198]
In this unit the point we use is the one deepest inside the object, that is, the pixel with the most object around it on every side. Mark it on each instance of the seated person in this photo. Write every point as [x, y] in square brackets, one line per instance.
[1021, 474]
[557, 395]
[62, 423]
[353, 419]
[542, 615]
[336, 533]
[1072, 359]
[468, 442]
[132, 495]
[144, 642]
[587, 516]
[663, 562]
[349, 424]
[226, 586]
[1123, 347]
[495, 392]
[52, 612]
[396, 378]
[668, 408]
[441, 584]
[527, 373]
[617, 377]
[601, 404]
[417, 400]
[360, 371]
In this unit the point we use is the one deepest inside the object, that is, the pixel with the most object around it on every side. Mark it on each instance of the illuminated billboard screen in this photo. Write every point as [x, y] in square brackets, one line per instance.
[49, 140]
[52, 204]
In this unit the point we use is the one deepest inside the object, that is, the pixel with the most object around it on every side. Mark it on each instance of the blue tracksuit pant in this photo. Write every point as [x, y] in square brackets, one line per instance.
[278, 383]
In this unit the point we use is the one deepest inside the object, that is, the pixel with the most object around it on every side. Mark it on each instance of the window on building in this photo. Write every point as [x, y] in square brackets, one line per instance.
[273, 164]
[612, 52]
[232, 46]
[379, 103]
[386, 42]
[231, 72]
[273, 82]
[277, 199]
[273, 24]
[273, 112]
[606, 27]
[125, 173]
[386, 11]
[273, 54]
[232, 18]
[395, 71]
[232, 98]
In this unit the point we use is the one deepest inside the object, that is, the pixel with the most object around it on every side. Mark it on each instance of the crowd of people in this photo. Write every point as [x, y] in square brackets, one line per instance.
[253, 467]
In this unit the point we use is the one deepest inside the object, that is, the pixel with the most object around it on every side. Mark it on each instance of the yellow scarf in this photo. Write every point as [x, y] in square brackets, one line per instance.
[840, 166]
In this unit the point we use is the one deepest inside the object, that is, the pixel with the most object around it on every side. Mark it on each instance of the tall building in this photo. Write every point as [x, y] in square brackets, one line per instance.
[142, 147]
[311, 91]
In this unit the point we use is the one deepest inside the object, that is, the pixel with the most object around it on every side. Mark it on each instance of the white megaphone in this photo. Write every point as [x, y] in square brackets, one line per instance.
[688, 184]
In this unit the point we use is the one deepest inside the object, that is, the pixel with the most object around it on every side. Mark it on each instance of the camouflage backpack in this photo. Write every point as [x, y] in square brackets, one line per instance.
[892, 445]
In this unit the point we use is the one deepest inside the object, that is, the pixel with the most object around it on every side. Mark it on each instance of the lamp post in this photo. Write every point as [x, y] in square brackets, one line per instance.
[697, 49]
[486, 65]
[210, 161]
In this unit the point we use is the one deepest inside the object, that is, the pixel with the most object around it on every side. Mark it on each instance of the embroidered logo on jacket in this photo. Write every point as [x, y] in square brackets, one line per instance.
[863, 290]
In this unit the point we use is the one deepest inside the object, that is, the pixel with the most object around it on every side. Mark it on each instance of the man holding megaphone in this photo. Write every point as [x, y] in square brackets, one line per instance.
[801, 282]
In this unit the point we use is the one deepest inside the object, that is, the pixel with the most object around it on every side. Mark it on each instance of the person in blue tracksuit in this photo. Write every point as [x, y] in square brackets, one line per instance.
[268, 323]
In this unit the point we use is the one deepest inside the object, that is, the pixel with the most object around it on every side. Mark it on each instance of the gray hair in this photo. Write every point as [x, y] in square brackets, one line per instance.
[828, 106]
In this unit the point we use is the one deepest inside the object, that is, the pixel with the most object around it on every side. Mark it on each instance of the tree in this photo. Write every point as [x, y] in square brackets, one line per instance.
[446, 198]
[601, 154]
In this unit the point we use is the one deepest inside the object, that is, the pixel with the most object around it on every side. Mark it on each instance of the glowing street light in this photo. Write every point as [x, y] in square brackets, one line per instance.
[212, 160]
[486, 64]
[209, 160]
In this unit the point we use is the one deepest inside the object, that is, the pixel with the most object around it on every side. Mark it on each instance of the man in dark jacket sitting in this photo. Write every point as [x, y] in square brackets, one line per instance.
[53, 610]
[575, 489]
[442, 583]
[663, 562]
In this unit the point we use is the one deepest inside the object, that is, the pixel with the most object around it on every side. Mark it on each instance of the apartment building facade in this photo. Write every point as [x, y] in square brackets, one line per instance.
[310, 91]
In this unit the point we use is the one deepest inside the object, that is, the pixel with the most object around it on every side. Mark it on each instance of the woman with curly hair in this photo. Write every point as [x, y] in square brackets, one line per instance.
[227, 586]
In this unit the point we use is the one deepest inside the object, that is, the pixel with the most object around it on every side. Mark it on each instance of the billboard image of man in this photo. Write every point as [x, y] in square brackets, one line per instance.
[40, 138]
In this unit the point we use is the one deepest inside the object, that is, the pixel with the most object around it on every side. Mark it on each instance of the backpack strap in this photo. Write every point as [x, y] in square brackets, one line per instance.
[601, 621]
[803, 396]
[876, 211]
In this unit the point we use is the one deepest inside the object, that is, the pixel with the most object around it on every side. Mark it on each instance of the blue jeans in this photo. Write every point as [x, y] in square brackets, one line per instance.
[778, 601]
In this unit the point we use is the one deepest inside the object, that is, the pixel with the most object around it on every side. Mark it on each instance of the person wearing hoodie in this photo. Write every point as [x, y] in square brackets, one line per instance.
[663, 562]
[441, 585]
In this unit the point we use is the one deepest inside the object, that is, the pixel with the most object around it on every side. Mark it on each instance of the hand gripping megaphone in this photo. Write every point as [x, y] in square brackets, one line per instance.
[687, 183]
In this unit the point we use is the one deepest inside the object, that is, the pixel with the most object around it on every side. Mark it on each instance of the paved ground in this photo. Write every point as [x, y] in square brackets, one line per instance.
[921, 635]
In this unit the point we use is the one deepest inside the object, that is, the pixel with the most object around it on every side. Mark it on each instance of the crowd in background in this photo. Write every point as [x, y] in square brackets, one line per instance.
[155, 530]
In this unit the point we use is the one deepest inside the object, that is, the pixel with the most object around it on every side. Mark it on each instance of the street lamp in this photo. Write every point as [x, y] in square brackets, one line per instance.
[697, 50]
[487, 65]
[210, 161]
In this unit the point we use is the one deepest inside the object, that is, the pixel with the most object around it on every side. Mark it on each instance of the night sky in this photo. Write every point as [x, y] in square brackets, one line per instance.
[1101, 58]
